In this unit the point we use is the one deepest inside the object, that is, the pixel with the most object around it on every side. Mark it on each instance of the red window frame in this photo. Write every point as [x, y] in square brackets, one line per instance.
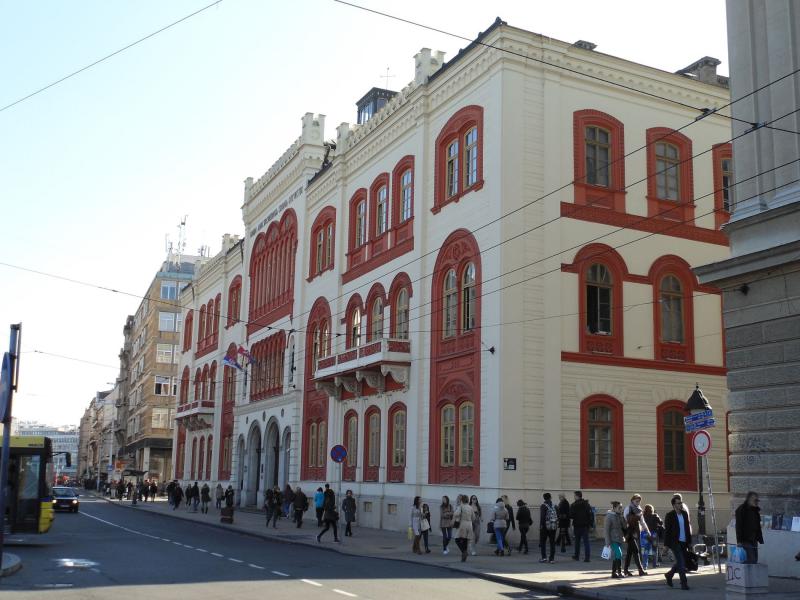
[357, 254]
[456, 128]
[198, 382]
[395, 474]
[180, 452]
[201, 457]
[614, 478]
[613, 196]
[234, 301]
[267, 372]
[378, 243]
[204, 384]
[679, 268]
[611, 345]
[370, 473]
[403, 230]
[209, 446]
[720, 152]
[354, 302]
[315, 402]
[400, 282]
[194, 459]
[681, 210]
[226, 422]
[349, 472]
[325, 218]
[201, 327]
[212, 383]
[686, 481]
[188, 323]
[184, 397]
[375, 292]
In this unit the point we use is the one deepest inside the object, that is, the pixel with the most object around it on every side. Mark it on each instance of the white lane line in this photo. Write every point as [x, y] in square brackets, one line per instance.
[165, 540]
[188, 546]
[236, 560]
[201, 550]
[279, 574]
[310, 582]
[255, 566]
[177, 543]
[343, 593]
[217, 554]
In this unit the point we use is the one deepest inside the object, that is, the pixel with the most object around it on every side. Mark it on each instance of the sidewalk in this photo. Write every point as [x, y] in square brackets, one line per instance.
[565, 576]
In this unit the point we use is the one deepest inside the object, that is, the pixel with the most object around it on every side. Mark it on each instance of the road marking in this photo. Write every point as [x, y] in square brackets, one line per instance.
[310, 582]
[255, 566]
[165, 540]
[201, 550]
[188, 546]
[177, 543]
[218, 555]
[280, 574]
[236, 560]
[343, 593]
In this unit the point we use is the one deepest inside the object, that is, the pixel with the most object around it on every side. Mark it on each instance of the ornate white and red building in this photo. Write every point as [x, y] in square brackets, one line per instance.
[474, 290]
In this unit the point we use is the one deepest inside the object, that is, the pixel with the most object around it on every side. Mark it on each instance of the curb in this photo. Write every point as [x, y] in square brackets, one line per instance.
[11, 564]
[564, 590]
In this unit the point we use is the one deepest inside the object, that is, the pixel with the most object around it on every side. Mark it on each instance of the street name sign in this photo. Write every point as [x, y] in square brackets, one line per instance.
[698, 425]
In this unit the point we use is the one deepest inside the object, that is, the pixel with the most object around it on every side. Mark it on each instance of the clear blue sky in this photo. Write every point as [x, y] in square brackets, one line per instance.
[96, 171]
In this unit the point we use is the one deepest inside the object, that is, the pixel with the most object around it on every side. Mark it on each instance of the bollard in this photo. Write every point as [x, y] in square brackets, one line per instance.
[746, 581]
[226, 515]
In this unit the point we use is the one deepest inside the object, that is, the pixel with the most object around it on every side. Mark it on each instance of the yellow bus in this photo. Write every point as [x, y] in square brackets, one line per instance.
[29, 503]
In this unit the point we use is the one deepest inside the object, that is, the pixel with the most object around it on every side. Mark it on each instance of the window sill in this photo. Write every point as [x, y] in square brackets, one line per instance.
[641, 363]
[437, 207]
[602, 197]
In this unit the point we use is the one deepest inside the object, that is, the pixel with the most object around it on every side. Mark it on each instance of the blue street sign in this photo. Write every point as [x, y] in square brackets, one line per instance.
[696, 426]
[5, 385]
[338, 453]
[701, 416]
[110, 468]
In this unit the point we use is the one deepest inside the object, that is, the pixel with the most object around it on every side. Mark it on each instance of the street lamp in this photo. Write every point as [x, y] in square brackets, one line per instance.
[699, 403]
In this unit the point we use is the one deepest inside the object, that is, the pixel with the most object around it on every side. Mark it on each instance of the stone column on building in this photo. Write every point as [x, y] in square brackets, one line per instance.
[761, 280]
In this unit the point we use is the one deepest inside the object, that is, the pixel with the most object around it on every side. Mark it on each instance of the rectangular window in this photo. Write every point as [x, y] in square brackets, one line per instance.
[399, 439]
[382, 212]
[320, 247]
[163, 386]
[169, 290]
[329, 247]
[448, 436]
[471, 157]
[361, 223]
[374, 440]
[598, 149]
[407, 196]
[600, 438]
[160, 418]
[467, 441]
[667, 171]
[166, 321]
[452, 169]
[164, 353]
[598, 308]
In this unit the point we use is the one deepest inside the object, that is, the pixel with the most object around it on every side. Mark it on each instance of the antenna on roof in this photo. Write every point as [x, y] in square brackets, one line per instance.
[387, 77]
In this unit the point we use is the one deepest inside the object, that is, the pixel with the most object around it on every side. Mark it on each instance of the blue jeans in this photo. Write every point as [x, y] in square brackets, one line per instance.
[582, 533]
[447, 535]
[752, 552]
[680, 562]
[499, 533]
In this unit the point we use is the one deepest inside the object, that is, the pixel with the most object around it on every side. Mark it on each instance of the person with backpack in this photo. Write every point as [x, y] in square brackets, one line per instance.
[446, 523]
[300, 505]
[582, 520]
[563, 523]
[497, 524]
[524, 521]
[548, 525]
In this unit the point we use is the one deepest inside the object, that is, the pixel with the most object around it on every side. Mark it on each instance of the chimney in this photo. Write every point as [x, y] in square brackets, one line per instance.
[313, 128]
[426, 63]
[704, 70]
[342, 133]
[583, 44]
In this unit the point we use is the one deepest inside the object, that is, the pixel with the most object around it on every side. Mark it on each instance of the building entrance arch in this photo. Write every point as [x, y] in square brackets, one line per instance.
[253, 465]
[272, 442]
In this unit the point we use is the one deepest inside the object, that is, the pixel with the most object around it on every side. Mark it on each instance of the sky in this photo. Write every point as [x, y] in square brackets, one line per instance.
[96, 172]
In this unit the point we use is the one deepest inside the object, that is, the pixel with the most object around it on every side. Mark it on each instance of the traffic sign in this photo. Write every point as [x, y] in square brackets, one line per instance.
[700, 416]
[110, 468]
[698, 425]
[701, 443]
[5, 385]
[338, 453]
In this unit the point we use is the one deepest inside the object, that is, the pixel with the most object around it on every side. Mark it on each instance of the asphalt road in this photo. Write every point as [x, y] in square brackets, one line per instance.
[106, 552]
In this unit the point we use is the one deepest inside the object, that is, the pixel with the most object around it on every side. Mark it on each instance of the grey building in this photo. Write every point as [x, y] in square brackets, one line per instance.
[65, 439]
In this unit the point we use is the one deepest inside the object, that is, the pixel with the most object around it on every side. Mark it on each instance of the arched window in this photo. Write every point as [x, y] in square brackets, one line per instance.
[188, 323]
[322, 242]
[198, 385]
[602, 452]
[201, 326]
[667, 173]
[322, 443]
[599, 166]
[466, 441]
[324, 340]
[471, 158]
[204, 385]
[401, 315]
[468, 298]
[352, 440]
[184, 397]
[234, 301]
[452, 169]
[312, 445]
[598, 155]
[201, 458]
[372, 444]
[448, 436]
[212, 382]
[382, 211]
[600, 437]
[450, 304]
[355, 328]
[317, 346]
[677, 466]
[320, 250]
[361, 223]
[599, 296]
[226, 421]
[406, 196]
[194, 459]
[459, 157]
[377, 319]
[671, 310]
[670, 189]
[396, 443]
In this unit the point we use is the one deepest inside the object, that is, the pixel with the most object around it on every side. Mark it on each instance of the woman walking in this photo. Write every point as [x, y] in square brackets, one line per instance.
[330, 516]
[477, 521]
[650, 542]
[205, 498]
[415, 525]
[219, 493]
[636, 525]
[524, 521]
[446, 523]
[563, 523]
[425, 526]
[349, 510]
[677, 534]
[273, 503]
[615, 535]
[499, 519]
[463, 519]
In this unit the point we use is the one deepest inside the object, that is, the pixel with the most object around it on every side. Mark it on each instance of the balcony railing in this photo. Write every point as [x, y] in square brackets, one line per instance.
[370, 363]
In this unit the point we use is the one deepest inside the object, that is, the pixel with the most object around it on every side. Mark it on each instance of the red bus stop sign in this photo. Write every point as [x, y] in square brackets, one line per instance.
[338, 453]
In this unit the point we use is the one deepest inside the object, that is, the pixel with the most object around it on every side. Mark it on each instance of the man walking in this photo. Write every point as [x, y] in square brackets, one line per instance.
[548, 524]
[748, 527]
[319, 497]
[677, 534]
[581, 514]
[300, 504]
[205, 498]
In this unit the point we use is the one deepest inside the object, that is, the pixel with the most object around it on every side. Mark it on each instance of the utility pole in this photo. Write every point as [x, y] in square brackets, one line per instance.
[8, 385]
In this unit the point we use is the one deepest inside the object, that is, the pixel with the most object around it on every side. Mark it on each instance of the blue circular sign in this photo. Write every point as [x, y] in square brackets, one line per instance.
[338, 453]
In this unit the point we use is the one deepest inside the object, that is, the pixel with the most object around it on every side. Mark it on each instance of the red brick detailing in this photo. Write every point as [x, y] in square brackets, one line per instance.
[226, 421]
[324, 363]
[315, 403]
[614, 478]
[272, 264]
[720, 152]
[674, 482]
[188, 323]
[349, 471]
[180, 453]
[456, 361]
[456, 128]
[325, 219]
[394, 474]
[209, 446]
[355, 303]
[655, 225]
[183, 398]
[370, 472]
[234, 301]
[613, 196]
[642, 363]
[362, 265]
[681, 210]
[267, 371]
[674, 265]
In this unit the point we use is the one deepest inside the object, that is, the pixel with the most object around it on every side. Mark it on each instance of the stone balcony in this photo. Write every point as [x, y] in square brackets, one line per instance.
[196, 415]
[376, 365]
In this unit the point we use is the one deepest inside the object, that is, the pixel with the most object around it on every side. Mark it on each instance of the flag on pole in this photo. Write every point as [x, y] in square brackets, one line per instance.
[231, 362]
[243, 351]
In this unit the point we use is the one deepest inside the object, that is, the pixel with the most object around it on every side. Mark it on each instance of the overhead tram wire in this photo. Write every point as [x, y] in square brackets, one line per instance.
[105, 58]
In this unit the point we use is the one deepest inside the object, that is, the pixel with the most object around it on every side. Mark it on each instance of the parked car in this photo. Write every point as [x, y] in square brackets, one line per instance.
[65, 498]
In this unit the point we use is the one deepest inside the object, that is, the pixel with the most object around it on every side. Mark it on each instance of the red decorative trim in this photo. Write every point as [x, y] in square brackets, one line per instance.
[614, 478]
[376, 292]
[324, 363]
[188, 323]
[395, 474]
[647, 224]
[180, 453]
[198, 382]
[404, 164]
[612, 197]
[674, 265]
[456, 361]
[370, 472]
[642, 363]
[458, 125]
[315, 403]
[364, 266]
[349, 472]
[209, 446]
[398, 346]
[194, 459]
[378, 243]
[720, 152]
[212, 383]
[226, 422]
[355, 303]
[673, 482]
[183, 398]
[400, 282]
[326, 217]
[359, 195]
[659, 208]
[267, 371]
[234, 301]
[201, 456]
[347, 356]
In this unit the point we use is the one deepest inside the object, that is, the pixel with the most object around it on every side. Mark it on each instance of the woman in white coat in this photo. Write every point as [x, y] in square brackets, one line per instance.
[463, 517]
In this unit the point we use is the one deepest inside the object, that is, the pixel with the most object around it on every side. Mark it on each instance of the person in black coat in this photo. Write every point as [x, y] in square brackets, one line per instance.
[580, 512]
[748, 527]
[524, 521]
[548, 524]
[563, 523]
[677, 535]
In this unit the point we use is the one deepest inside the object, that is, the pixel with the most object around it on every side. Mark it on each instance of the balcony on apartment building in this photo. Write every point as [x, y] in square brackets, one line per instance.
[376, 366]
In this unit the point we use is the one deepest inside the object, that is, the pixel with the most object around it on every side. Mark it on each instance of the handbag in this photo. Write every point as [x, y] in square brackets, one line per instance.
[424, 525]
[490, 527]
[606, 553]
[691, 560]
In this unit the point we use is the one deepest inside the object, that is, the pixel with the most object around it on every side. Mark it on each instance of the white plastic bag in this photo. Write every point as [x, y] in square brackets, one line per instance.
[606, 553]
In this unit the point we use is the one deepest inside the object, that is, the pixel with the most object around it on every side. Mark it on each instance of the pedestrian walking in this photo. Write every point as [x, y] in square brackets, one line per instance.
[463, 520]
[634, 518]
[129, 488]
[288, 499]
[499, 524]
[319, 498]
[446, 523]
[580, 513]
[349, 508]
[330, 516]
[524, 521]
[219, 494]
[229, 495]
[748, 527]
[511, 523]
[300, 506]
[277, 502]
[548, 525]
[205, 498]
[177, 496]
[425, 526]
[146, 490]
[269, 504]
[615, 536]
[153, 491]
[170, 492]
[188, 496]
[563, 523]
[195, 497]
[677, 535]
[477, 522]
[650, 542]
[415, 525]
